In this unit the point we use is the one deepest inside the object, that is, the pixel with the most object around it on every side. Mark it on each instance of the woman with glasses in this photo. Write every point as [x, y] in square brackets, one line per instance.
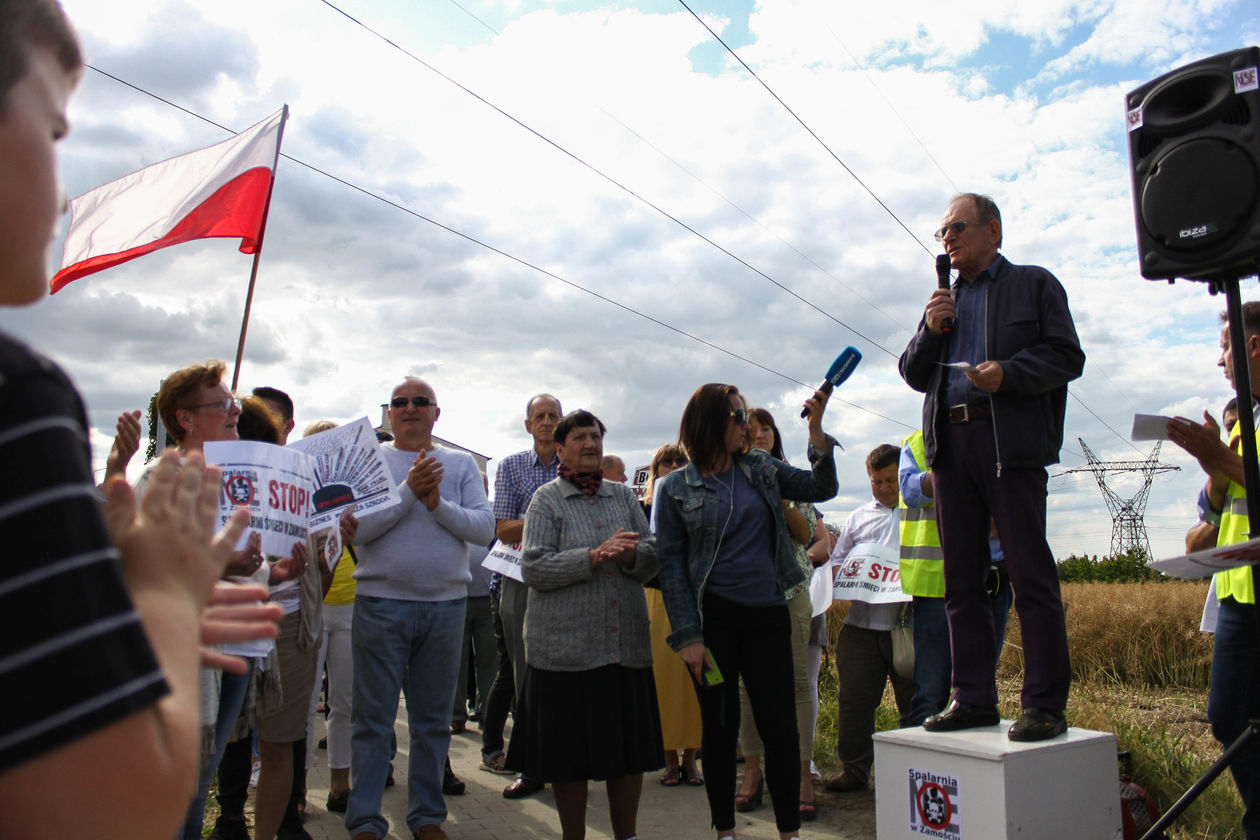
[727, 563]
[680, 713]
[806, 529]
[587, 708]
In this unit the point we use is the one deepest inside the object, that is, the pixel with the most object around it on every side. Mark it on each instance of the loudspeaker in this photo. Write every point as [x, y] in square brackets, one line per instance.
[1194, 153]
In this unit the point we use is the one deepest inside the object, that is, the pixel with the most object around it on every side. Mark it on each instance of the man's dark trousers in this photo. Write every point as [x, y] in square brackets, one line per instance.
[968, 493]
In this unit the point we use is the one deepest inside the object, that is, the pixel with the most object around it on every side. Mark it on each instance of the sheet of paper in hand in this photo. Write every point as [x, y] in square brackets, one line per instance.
[1209, 561]
[349, 469]
[870, 572]
[275, 483]
[504, 559]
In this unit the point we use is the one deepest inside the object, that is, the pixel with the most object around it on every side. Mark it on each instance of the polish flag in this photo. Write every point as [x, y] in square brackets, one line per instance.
[220, 191]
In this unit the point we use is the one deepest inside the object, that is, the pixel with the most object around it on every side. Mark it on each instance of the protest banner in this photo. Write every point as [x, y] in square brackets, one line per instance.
[349, 470]
[870, 572]
[504, 559]
[276, 485]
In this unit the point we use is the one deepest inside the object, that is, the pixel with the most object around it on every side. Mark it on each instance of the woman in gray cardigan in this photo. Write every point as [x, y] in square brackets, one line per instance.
[587, 709]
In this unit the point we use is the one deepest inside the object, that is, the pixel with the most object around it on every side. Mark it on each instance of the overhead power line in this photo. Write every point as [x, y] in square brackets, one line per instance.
[520, 261]
[809, 130]
[579, 160]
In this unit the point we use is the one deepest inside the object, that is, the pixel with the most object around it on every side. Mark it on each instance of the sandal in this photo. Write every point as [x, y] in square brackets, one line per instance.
[746, 802]
[671, 778]
[692, 777]
[809, 810]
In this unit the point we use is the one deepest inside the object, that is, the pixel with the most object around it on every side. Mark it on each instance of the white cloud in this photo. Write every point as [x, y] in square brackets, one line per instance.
[353, 294]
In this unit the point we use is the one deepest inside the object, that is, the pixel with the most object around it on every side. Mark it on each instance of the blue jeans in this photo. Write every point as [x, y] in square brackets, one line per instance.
[932, 663]
[1234, 697]
[412, 646]
[232, 691]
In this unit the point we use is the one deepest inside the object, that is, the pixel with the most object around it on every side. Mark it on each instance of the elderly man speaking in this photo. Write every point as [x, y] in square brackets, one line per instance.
[990, 426]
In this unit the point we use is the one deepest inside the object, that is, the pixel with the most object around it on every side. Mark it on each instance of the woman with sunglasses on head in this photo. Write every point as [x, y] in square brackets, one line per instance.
[806, 529]
[675, 695]
[726, 563]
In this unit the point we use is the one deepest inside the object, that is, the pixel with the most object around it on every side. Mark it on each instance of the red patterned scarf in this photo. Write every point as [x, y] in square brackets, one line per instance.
[588, 483]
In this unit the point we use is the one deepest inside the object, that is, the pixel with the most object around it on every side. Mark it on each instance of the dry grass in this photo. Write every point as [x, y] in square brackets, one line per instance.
[1140, 670]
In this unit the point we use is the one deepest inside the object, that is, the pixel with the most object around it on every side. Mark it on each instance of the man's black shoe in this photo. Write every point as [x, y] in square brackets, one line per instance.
[1037, 725]
[962, 716]
[451, 785]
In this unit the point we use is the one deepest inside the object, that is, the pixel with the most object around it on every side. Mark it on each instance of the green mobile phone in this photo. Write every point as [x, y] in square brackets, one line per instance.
[709, 670]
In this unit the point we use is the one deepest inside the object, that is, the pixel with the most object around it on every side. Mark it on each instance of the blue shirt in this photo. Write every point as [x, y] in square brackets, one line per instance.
[966, 340]
[518, 476]
[743, 566]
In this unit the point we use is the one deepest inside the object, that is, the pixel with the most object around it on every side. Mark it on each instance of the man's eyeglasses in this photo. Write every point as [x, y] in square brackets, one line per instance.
[955, 228]
[741, 416]
[418, 402]
[227, 403]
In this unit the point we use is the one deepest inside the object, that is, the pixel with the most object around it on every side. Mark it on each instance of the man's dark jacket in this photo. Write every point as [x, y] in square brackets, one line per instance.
[1030, 332]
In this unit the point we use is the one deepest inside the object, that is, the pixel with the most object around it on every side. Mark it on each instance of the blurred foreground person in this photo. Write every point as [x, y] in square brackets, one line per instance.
[105, 610]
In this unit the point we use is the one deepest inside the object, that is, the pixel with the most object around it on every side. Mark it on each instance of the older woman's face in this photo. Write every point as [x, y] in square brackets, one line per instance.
[762, 435]
[736, 431]
[583, 449]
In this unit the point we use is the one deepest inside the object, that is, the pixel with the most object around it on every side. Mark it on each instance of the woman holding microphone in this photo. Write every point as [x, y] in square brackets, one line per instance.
[726, 560]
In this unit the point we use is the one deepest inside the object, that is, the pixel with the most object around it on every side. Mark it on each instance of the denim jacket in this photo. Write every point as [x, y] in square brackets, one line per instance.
[687, 528]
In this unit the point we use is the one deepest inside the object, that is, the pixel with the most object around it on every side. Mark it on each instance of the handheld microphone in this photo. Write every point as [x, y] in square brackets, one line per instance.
[942, 282]
[840, 370]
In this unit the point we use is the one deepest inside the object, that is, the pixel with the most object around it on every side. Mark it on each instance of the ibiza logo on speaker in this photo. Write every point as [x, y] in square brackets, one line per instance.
[1197, 232]
[1245, 80]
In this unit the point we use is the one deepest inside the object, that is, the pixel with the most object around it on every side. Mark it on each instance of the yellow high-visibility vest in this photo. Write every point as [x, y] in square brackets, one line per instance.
[922, 563]
[1235, 583]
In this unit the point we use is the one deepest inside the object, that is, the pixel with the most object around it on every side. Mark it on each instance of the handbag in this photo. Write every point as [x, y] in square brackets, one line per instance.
[903, 644]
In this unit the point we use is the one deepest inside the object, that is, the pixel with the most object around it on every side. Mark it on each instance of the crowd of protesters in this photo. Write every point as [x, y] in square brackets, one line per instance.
[170, 633]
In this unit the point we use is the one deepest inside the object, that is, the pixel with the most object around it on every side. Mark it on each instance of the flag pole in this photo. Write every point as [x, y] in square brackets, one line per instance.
[262, 231]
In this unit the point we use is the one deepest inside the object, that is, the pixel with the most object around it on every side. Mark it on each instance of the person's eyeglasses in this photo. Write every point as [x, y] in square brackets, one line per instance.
[418, 402]
[673, 462]
[741, 416]
[955, 228]
[227, 403]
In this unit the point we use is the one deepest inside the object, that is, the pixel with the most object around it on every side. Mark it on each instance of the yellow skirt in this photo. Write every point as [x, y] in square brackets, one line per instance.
[675, 689]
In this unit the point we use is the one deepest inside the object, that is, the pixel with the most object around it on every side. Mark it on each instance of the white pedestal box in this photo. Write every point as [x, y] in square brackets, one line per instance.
[979, 785]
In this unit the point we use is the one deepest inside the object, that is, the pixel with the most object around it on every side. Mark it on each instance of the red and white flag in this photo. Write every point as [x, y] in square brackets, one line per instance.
[220, 191]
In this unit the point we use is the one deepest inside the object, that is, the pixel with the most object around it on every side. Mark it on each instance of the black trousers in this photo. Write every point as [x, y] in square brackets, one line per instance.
[755, 643]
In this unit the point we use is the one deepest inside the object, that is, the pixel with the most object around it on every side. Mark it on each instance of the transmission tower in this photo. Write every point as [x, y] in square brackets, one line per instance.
[1128, 526]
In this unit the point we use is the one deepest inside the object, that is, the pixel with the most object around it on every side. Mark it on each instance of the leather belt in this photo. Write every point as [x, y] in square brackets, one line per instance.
[967, 412]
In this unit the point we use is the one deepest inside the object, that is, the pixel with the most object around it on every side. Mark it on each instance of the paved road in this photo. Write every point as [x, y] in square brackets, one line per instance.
[482, 813]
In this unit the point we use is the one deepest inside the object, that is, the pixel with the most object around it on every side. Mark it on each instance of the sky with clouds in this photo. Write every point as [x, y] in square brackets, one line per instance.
[781, 250]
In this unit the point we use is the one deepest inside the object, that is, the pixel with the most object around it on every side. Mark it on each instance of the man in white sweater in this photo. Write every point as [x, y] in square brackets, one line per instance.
[411, 584]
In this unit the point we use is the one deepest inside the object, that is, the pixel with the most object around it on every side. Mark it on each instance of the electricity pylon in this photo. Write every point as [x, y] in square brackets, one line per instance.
[1128, 525]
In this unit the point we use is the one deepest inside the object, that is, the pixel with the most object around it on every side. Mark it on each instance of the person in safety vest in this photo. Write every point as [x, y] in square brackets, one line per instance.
[1234, 696]
[923, 577]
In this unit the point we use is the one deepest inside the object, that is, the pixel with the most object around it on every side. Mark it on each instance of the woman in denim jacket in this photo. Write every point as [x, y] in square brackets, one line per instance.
[726, 560]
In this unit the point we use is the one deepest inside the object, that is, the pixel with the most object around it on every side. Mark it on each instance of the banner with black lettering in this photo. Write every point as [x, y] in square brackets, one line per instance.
[349, 470]
[505, 559]
[276, 484]
[870, 572]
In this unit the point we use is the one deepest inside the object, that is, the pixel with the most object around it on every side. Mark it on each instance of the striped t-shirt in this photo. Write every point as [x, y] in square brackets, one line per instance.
[73, 655]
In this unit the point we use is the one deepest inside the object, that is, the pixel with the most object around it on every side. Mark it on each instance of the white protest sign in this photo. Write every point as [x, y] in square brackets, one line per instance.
[870, 572]
[504, 559]
[276, 485]
[349, 470]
